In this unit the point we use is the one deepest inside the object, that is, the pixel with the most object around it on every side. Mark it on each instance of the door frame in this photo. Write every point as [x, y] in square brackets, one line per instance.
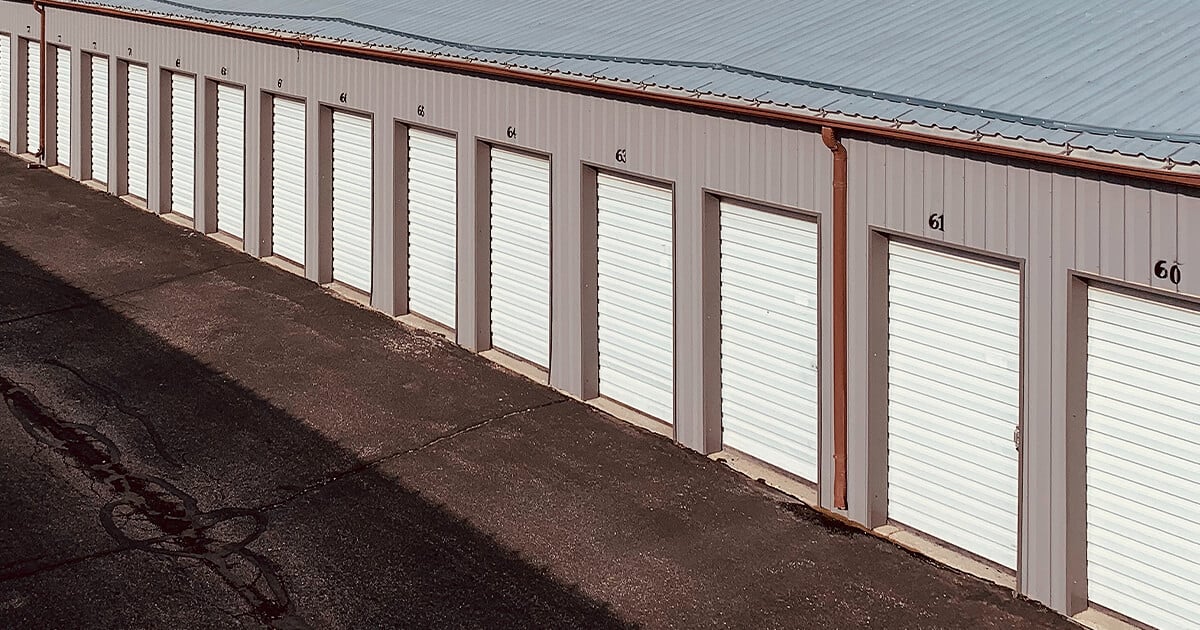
[879, 266]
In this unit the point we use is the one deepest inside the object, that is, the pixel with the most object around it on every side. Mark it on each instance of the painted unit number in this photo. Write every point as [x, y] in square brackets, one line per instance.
[1165, 271]
[937, 221]
[622, 156]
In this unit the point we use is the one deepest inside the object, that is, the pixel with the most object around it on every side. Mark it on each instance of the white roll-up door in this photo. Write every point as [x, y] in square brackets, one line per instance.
[231, 160]
[432, 225]
[1143, 459]
[636, 304]
[137, 116]
[769, 337]
[352, 200]
[183, 145]
[5, 91]
[288, 178]
[62, 106]
[33, 96]
[954, 396]
[99, 106]
[520, 255]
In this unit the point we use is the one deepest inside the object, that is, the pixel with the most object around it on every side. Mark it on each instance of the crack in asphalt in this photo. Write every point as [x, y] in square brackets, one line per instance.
[23, 569]
[114, 398]
[370, 464]
[150, 514]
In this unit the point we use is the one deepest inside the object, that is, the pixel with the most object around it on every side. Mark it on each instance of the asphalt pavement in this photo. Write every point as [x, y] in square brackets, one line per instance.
[192, 438]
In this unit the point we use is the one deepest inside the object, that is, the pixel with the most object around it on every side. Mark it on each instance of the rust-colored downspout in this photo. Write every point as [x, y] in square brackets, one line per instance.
[829, 137]
[41, 150]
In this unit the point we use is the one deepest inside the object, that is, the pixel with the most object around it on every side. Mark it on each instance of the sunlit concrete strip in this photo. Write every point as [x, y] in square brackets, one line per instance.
[1100, 620]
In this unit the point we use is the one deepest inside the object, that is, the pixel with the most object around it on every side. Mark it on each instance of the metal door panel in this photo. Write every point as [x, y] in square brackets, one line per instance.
[520, 255]
[635, 291]
[288, 178]
[183, 145]
[769, 337]
[1143, 458]
[231, 160]
[954, 399]
[352, 199]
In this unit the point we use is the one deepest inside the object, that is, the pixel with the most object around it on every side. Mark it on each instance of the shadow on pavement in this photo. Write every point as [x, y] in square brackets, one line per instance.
[112, 514]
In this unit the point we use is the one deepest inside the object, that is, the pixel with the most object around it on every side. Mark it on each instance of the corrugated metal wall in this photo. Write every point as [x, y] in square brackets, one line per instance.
[1056, 225]
[697, 153]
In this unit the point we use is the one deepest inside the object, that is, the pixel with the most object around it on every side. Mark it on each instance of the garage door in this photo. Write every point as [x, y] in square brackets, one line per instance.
[1143, 459]
[5, 91]
[352, 200]
[288, 178]
[62, 106]
[769, 337]
[231, 160]
[432, 225]
[137, 116]
[954, 399]
[33, 96]
[635, 295]
[520, 243]
[99, 107]
[183, 145]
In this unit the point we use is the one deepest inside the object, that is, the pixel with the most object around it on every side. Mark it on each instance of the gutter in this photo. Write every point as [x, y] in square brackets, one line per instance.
[830, 138]
[1190, 180]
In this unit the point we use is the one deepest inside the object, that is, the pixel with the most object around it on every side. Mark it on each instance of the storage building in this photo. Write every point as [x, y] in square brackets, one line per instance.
[939, 260]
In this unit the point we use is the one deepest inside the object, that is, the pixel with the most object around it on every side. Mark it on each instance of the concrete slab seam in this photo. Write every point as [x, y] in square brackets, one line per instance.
[371, 464]
[117, 296]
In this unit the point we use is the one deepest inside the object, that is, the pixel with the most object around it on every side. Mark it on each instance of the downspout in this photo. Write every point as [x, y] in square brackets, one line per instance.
[831, 140]
[41, 151]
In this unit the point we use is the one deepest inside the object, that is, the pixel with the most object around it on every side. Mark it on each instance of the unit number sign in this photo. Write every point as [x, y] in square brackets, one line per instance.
[1164, 270]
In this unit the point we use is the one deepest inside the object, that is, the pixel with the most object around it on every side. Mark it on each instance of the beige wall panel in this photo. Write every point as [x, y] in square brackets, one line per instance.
[954, 200]
[1087, 225]
[863, 202]
[1164, 232]
[1017, 210]
[1189, 243]
[974, 210]
[914, 191]
[893, 190]
[933, 191]
[995, 200]
[875, 171]
[1137, 263]
[1037, 465]
[1063, 231]
[1112, 230]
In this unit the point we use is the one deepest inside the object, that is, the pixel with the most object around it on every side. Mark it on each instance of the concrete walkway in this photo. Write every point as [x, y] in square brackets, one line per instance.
[195, 439]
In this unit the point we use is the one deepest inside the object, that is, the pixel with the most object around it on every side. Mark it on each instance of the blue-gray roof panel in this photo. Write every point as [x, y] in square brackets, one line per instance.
[1123, 74]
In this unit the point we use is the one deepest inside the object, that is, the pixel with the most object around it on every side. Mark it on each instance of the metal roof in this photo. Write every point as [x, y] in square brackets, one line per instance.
[1100, 76]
